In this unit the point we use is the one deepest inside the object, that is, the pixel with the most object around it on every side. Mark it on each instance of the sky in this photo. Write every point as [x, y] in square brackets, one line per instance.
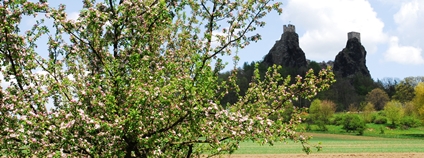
[391, 32]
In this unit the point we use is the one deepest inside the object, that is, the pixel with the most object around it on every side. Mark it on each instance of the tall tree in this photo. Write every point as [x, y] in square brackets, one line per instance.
[404, 92]
[378, 98]
[405, 89]
[418, 100]
[134, 78]
[389, 85]
[363, 85]
[342, 93]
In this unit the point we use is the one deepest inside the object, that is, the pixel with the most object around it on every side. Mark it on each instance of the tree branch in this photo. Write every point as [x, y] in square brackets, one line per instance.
[14, 69]
[181, 119]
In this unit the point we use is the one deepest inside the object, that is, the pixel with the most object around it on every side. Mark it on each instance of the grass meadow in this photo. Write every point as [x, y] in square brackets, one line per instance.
[378, 130]
[377, 138]
[339, 143]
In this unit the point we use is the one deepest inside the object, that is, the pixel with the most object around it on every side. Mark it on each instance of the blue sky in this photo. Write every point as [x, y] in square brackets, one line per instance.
[391, 32]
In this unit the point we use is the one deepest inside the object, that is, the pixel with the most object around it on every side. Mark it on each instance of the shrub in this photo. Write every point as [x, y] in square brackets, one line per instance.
[380, 120]
[321, 112]
[353, 108]
[373, 117]
[394, 112]
[337, 120]
[410, 122]
[381, 113]
[367, 112]
[352, 122]
[410, 109]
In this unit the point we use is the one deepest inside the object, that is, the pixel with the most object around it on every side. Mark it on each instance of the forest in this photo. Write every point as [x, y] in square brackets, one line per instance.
[348, 94]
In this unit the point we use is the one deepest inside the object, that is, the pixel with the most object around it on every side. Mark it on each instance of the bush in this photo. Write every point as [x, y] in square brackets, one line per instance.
[321, 112]
[394, 112]
[380, 120]
[352, 123]
[410, 122]
[410, 109]
[373, 117]
[368, 112]
[337, 120]
[381, 113]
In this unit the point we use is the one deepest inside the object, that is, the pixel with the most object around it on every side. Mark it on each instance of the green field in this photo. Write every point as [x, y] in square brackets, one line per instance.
[375, 131]
[337, 143]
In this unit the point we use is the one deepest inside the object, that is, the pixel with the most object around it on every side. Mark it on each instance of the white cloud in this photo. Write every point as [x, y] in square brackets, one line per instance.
[405, 47]
[327, 23]
[403, 54]
[410, 22]
[408, 13]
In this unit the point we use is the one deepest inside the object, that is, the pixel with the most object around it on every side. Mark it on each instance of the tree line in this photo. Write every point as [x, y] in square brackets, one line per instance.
[389, 100]
[347, 93]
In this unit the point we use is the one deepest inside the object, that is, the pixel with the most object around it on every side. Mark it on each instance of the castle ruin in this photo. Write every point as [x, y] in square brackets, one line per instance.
[353, 34]
[287, 52]
[289, 28]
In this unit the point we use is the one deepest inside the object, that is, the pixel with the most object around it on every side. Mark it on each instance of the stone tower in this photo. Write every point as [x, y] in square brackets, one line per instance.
[289, 28]
[353, 34]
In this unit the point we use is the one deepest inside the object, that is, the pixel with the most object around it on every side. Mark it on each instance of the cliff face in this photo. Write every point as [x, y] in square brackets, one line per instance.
[286, 52]
[351, 60]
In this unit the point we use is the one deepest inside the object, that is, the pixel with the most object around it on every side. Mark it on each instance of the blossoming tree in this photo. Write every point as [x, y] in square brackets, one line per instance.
[134, 78]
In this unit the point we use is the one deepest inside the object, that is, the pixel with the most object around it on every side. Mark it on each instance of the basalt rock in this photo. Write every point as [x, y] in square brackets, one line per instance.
[286, 51]
[351, 60]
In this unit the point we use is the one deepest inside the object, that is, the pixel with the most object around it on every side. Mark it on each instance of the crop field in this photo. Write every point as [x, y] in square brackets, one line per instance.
[336, 145]
[374, 130]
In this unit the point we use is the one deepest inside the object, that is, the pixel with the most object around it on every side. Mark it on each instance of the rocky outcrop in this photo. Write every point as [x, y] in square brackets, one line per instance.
[351, 60]
[286, 51]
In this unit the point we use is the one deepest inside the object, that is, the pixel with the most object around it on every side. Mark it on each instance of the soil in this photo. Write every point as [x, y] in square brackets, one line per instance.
[341, 155]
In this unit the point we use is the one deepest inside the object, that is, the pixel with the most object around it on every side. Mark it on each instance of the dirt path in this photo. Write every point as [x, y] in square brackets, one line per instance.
[364, 155]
